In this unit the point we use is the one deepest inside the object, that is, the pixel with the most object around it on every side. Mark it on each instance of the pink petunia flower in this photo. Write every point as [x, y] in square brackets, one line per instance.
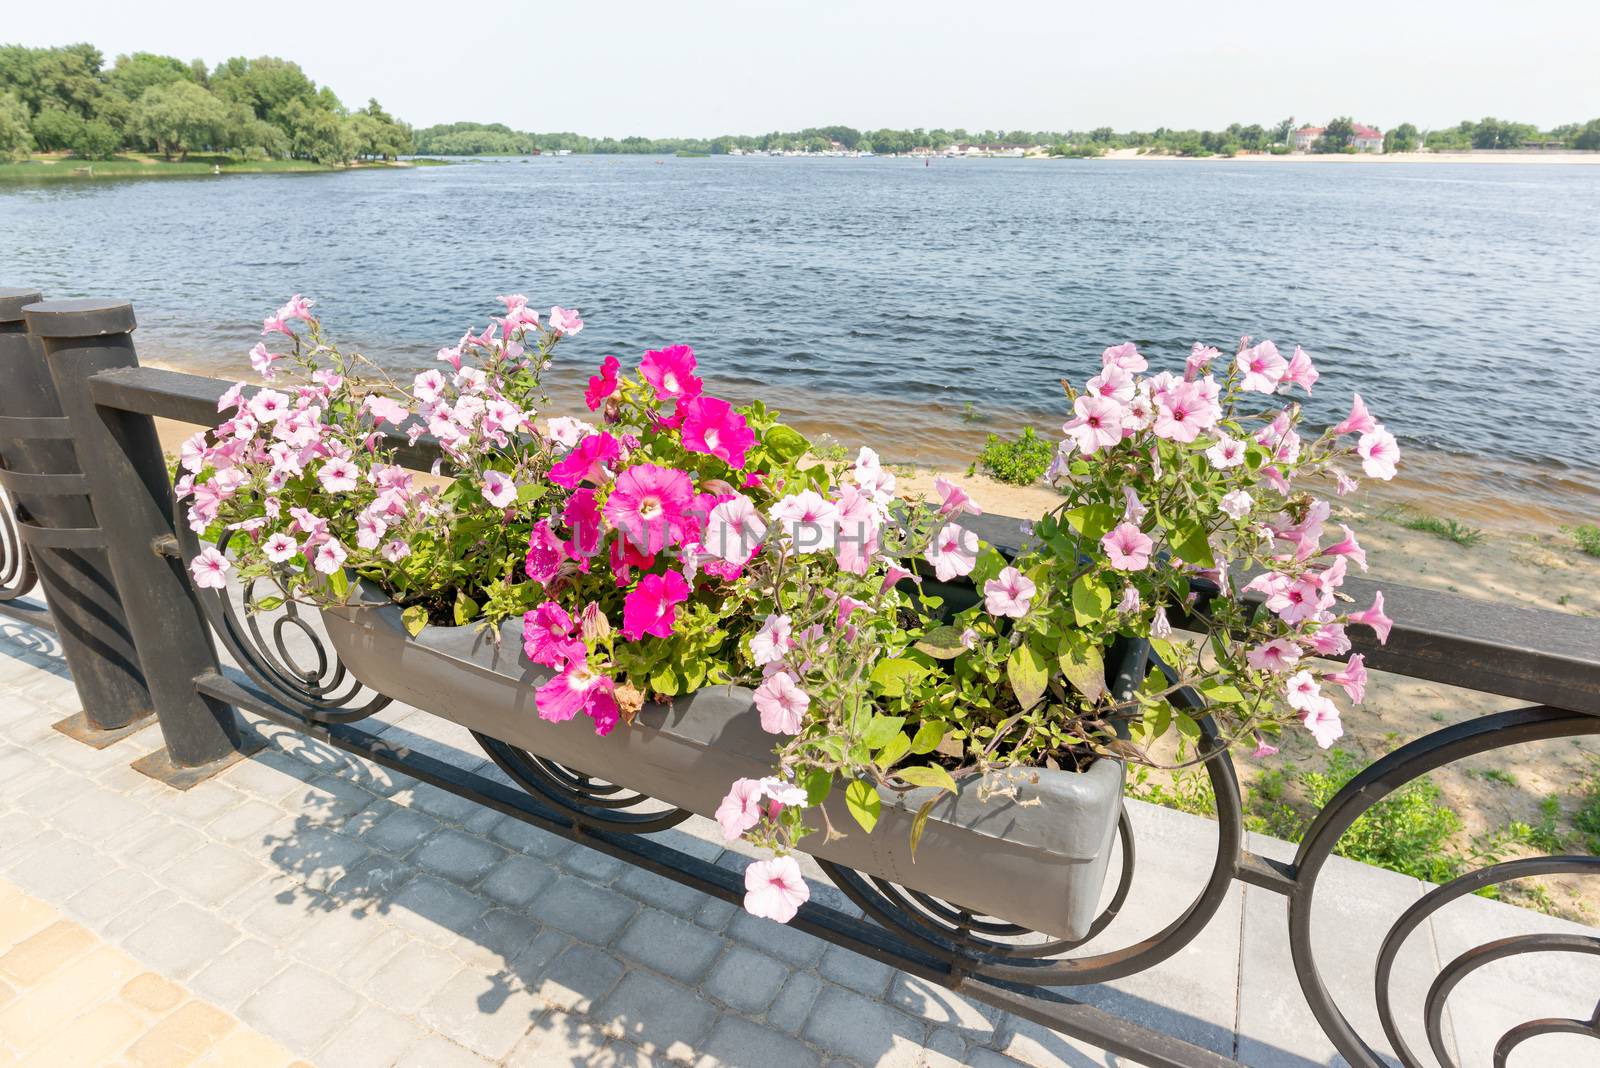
[1300, 372]
[579, 689]
[566, 432]
[549, 637]
[1199, 358]
[279, 548]
[1127, 547]
[712, 426]
[1008, 594]
[1130, 601]
[1373, 617]
[545, 553]
[604, 384]
[1359, 421]
[1183, 412]
[395, 550]
[775, 889]
[953, 500]
[261, 361]
[734, 530]
[338, 476]
[1263, 749]
[1097, 424]
[1379, 453]
[1322, 720]
[1126, 357]
[1236, 503]
[565, 321]
[773, 641]
[1329, 639]
[1278, 656]
[808, 521]
[330, 556]
[670, 372]
[782, 704]
[649, 504]
[740, 810]
[954, 552]
[587, 462]
[1353, 678]
[1227, 452]
[1112, 382]
[1262, 366]
[1348, 546]
[1302, 690]
[1160, 626]
[385, 409]
[858, 525]
[651, 606]
[296, 307]
[429, 386]
[498, 489]
[210, 569]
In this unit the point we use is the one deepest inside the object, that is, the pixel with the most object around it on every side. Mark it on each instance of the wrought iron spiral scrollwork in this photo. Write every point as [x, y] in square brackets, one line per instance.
[312, 682]
[16, 566]
[596, 802]
[1391, 773]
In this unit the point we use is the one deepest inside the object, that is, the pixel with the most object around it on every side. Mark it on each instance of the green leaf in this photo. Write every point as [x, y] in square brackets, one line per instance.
[1187, 726]
[531, 491]
[339, 583]
[464, 610]
[919, 825]
[267, 604]
[881, 730]
[1082, 664]
[1026, 671]
[864, 803]
[1092, 520]
[414, 618]
[1090, 599]
[1219, 693]
[818, 785]
[664, 681]
[1189, 542]
[785, 444]
[942, 643]
[928, 775]
[890, 754]
[890, 677]
[1256, 455]
[929, 735]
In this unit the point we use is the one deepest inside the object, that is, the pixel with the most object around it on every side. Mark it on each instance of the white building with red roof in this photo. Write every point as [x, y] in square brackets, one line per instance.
[1362, 138]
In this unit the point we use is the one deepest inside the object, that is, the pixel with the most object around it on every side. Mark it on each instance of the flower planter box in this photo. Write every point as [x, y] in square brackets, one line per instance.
[1040, 865]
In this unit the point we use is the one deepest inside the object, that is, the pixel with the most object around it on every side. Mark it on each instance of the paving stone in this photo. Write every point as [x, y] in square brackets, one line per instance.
[400, 831]
[182, 1037]
[591, 912]
[715, 914]
[268, 776]
[98, 816]
[482, 1013]
[301, 1008]
[778, 939]
[410, 978]
[746, 980]
[316, 856]
[578, 978]
[517, 880]
[526, 838]
[282, 916]
[55, 867]
[92, 1039]
[656, 1014]
[458, 856]
[202, 803]
[531, 965]
[794, 1002]
[377, 1038]
[859, 973]
[152, 994]
[329, 939]
[181, 939]
[41, 953]
[437, 910]
[495, 939]
[945, 1049]
[591, 864]
[864, 1031]
[109, 896]
[436, 1051]
[440, 804]
[244, 823]
[667, 894]
[1025, 1042]
[559, 1039]
[238, 972]
[670, 945]
[736, 1042]
[336, 800]
[938, 1004]
[212, 874]
[368, 884]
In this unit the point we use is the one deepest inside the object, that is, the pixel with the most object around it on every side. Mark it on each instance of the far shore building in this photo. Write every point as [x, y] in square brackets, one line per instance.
[1362, 138]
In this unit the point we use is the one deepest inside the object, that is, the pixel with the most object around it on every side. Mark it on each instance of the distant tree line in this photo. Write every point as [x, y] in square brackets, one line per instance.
[54, 99]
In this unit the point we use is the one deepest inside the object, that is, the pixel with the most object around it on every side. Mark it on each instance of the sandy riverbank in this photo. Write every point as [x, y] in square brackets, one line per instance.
[1368, 158]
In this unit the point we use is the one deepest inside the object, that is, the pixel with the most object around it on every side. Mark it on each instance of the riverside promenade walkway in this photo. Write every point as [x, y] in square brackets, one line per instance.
[307, 907]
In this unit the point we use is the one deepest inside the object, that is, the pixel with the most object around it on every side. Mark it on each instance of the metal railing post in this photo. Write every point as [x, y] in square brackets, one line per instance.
[56, 523]
[130, 491]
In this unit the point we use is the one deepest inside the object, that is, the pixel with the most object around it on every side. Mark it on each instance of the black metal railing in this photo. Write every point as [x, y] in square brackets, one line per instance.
[1549, 661]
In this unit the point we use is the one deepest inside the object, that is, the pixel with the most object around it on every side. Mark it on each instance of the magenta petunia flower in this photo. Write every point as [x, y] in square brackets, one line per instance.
[1127, 547]
[603, 384]
[712, 426]
[624, 558]
[651, 606]
[545, 553]
[587, 462]
[582, 516]
[670, 371]
[775, 889]
[549, 637]
[650, 505]
[579, 689]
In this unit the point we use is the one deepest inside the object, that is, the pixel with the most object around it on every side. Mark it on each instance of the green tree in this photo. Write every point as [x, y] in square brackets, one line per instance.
[132, 75]
[16, 140]
[178, 117]
[1402, 138]
[55, 129]
[97, 140]
[1336, 137]
[1588, 138]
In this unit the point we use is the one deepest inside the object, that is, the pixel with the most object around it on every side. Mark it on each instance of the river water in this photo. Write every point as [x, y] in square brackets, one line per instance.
[916, 307]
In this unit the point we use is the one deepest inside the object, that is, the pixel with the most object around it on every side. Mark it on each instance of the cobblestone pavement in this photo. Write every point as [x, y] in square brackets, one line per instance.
[348, 916]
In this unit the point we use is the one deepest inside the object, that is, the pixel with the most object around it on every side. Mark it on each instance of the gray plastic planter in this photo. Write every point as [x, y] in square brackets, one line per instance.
[1038, 865]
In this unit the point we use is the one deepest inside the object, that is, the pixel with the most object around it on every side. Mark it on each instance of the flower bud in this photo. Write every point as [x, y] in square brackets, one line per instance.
[596, 627]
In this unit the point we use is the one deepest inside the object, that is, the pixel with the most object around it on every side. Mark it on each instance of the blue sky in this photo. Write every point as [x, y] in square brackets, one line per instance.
[703, 67]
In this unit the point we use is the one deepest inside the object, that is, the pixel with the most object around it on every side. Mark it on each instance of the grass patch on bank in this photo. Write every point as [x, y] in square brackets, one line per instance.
[1017, 462]
[1586, 536]
[134, 165]
[1452, 530]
